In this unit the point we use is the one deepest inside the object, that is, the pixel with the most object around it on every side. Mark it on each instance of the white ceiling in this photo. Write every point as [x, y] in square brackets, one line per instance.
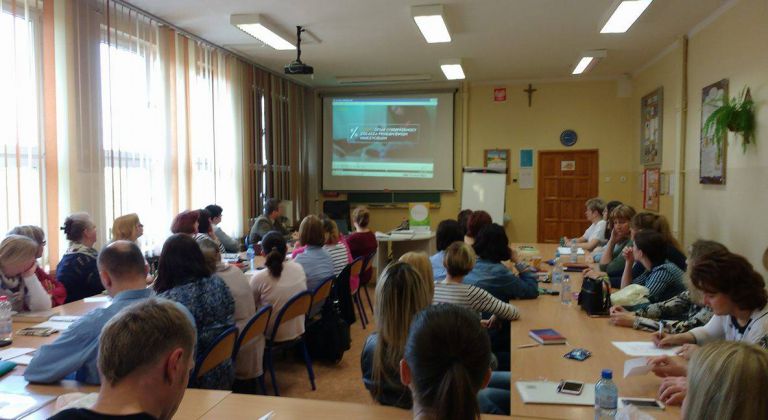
[497, 39]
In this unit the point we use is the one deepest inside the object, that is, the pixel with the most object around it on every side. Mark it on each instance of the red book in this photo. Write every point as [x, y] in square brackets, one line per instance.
[547, 336]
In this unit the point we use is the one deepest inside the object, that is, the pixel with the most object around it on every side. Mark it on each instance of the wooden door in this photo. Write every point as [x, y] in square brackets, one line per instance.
[567, 179]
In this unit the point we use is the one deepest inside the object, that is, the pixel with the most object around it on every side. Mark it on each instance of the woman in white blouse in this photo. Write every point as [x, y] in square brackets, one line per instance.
[18, 262]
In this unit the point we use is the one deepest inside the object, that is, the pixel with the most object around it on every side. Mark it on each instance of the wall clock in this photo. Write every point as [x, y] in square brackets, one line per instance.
[568, 138]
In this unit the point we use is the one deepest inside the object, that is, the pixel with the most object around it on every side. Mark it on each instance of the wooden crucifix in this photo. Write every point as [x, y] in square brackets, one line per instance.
[530, 91]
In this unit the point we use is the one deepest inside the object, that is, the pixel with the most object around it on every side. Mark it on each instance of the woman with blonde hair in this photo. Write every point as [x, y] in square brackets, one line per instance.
[401, 293]
[77, 270]
[727, 380]
[18, 255]
[52, 286]
[419, 261]
[127, 227]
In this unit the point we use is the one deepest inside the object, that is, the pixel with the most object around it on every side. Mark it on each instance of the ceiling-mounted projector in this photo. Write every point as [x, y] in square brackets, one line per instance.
[297, 66]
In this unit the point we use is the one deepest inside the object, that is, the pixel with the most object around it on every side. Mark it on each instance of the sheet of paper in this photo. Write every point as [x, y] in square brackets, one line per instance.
[564, 250]
[96, 299]
[23, 360]
[64, 318]
[59, 326]
[14, 352]
[525, 178]
[635, 367]
[643, 348]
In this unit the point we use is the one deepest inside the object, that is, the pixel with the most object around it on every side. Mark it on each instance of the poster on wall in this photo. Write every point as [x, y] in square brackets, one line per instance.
[651, 178]
[651, 116]
[498, 159]
[525, 177]
[712, 156]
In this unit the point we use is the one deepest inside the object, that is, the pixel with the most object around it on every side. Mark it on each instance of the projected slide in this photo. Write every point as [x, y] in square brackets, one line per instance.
[384, 137]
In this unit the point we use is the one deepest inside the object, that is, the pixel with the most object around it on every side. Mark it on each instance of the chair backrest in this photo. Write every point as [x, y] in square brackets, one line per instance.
[221, 350]
[368, 264]
[255, 327]
[356, 266]
[320, 295]
[297, 305]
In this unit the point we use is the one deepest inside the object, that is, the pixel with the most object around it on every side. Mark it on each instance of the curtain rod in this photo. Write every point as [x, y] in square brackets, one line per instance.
[205, 41]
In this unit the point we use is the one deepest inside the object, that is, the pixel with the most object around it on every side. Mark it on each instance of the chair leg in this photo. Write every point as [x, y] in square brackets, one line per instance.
[308, 363]
[362, 306]
[359, 311]
[367, 296]
[271, 366]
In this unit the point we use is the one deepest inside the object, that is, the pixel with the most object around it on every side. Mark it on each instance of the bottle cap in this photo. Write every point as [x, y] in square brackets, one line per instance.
[3, 298]
[607, 374]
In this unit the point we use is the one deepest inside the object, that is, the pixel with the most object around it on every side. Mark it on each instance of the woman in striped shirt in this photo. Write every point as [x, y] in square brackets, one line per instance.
[340, 255]
[458, 261]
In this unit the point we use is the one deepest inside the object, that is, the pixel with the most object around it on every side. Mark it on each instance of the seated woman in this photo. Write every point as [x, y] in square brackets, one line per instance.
[612, 259]
[338, 251]
[362, 242]
[205, 229]
[459, 261]
[50, 284]
[315, 261]
[448, 232]
[248, 364]
[420, 262]
[595, 233]
[443, 371]
[727, 381]
[597, 253]
[673, 252]
[184, 277]
[736, 294]
[463, 218]
[230, 244]
[401, 292]
[77, 270]
[18, 255]
[186, 222]
[127, 227]
[489, 274]
[475, 223]
[680, 313]
[277, 284]
[663, 279]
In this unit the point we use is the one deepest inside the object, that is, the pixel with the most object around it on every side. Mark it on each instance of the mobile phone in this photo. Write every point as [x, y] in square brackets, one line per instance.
[642, 403]
[570, 387]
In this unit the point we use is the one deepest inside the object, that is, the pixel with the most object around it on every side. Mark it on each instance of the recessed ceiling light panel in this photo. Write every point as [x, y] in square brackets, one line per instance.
[625, 14]
[431, 23]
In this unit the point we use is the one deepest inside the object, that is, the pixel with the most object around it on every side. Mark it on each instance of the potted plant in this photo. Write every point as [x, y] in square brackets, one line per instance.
[736, 115]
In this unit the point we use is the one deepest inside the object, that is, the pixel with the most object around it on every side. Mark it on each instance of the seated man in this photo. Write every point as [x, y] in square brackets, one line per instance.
[230, 245]
[146, 353]
[124, 274]
[595, 233]
[272, 219]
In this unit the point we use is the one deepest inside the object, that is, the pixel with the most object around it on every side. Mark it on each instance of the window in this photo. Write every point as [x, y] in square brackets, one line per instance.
[22, 194]
[135, 130]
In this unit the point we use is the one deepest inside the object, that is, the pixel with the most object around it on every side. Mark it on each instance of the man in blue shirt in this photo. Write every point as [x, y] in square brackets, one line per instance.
[123, 272]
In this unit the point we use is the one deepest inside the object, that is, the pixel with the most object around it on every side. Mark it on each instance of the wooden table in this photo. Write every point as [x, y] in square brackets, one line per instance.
[251, 407]
[547, 362]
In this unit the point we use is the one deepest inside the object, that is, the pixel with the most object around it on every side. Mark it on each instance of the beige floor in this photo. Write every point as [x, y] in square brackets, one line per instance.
[342, 382]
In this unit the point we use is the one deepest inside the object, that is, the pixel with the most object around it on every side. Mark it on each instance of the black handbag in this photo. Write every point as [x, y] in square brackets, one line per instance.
[595, 296]
[329, 337]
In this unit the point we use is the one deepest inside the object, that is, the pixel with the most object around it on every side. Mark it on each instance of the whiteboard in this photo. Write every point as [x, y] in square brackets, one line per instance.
[485, 191]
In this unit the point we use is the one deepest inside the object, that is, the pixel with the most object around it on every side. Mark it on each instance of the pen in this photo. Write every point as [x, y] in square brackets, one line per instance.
[525, 346]
[661, 328]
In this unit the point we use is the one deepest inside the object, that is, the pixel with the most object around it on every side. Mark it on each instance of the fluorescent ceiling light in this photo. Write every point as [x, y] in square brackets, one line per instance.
[583, 64]
[625, 14]
[588, 60]
[452, 69]
[260, 28]
[431, 23]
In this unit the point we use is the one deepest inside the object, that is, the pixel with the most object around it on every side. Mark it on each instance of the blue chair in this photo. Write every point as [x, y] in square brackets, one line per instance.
[319, 296]
[221, 349]
[298, 305]
[255, 327]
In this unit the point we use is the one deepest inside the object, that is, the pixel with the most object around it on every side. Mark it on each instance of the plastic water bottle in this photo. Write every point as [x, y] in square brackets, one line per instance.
[251, 258]
[606, 396]
[574, 251]
[6, 328]
[557, 271]
[565, 290]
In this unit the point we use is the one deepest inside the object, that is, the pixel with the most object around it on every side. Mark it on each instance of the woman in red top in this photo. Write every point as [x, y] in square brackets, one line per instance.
[362, 242]
[52, 286]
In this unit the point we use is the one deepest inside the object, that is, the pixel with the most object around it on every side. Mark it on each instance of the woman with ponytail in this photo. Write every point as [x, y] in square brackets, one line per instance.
[276, 284]
[446, 363]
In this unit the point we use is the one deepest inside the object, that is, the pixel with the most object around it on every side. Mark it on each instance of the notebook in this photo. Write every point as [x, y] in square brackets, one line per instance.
[547, 336]
[543, 392]
[14, 406]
